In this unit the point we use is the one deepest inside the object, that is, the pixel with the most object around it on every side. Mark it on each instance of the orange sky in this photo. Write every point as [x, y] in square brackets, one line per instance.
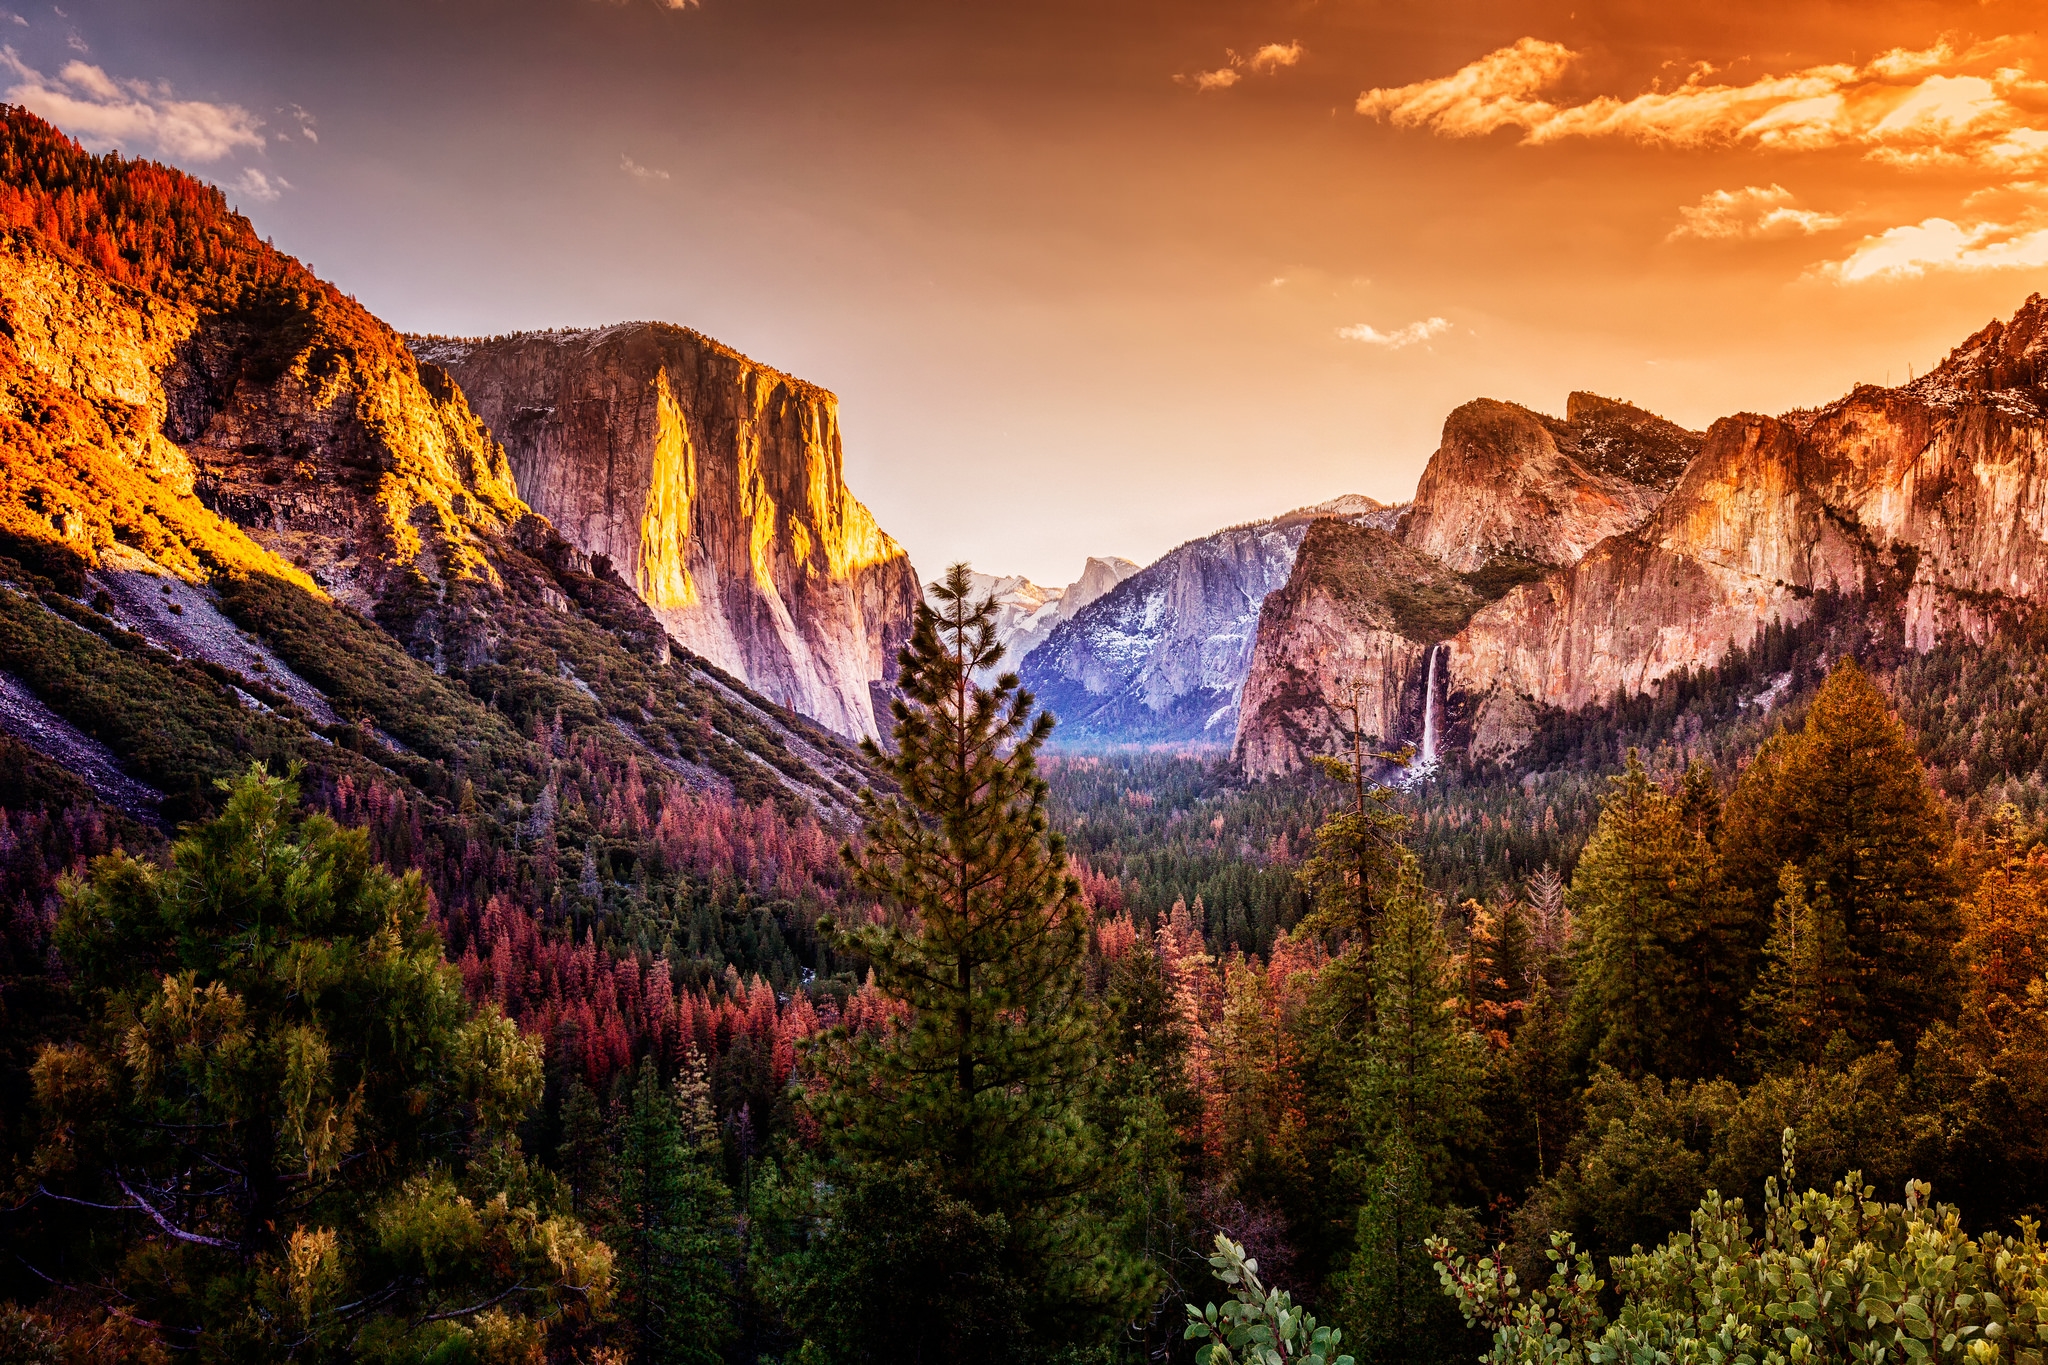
[1094, 278]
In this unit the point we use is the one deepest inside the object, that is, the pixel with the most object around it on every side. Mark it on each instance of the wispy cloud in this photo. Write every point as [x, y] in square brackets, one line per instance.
[644, 174]
[1964, 108]
[1262, 61]
[136, 116]
[254, 184]
[1752, 211]
[1401, 336]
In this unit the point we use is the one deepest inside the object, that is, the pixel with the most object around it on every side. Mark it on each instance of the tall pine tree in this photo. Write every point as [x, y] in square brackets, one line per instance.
[989, 1080]
[1634, 1005]
[669, 1222]
[1846, 803]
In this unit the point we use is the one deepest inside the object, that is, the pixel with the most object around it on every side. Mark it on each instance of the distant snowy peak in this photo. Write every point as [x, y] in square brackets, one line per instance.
[1160, 657]
[1098, 576]
[1026, 612]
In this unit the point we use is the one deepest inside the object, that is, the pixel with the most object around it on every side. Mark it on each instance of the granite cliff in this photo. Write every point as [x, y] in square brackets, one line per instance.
[714, 486]
[1926, 502]
[240, 496]
[1510, 484]
[1359, 607]
[1162, 657]
[1930, 500]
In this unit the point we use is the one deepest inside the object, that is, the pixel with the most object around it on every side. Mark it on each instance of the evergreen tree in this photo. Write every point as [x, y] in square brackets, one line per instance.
[990, 1079]
[670, 1225]
[1806, 992]
[1846, 802]
[286, 1134]
[1359, 855]
[1635, 1005]
[1417, 1103]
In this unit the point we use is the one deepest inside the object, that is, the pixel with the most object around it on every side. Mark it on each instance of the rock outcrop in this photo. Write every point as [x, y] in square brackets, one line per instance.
[715, 488]
[1927, 502]
[211, 455]
[1510, 484]
[1162, 657]
[1360, 610]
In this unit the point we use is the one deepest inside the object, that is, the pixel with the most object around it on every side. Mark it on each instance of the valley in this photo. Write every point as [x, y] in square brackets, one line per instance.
[507, 860]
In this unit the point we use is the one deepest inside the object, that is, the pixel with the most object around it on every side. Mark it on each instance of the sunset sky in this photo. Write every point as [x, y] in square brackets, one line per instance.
[1099, 276]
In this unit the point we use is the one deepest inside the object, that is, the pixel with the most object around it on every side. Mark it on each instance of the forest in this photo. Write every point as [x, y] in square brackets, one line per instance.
[1060, 1056]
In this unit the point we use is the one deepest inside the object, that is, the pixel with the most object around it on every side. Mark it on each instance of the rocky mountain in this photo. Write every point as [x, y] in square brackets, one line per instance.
[1361, 609]
[1026, 613]
[715, 487]
[1929, 500]
[1161, 658]
[1508, 494]
[1510, 484]
[239, 519]
[1926, 503]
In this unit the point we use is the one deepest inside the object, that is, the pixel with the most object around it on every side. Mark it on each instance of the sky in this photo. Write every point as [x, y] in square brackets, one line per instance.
[1096, 277]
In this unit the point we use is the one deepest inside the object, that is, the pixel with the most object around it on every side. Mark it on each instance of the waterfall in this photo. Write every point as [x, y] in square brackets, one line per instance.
[1427, 759]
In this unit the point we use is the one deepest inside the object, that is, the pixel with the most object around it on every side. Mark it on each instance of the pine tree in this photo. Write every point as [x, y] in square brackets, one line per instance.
[1417, 1102]
[1634, 1004]
[990, 1079]
[1805, 994]
[286, 1133]
[1359, 855]
[669, 1222]
[1846, 802]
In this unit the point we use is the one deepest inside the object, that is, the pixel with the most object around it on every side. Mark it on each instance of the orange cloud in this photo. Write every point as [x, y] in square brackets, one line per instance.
[1752, 211]
[1944, 106]
[1263, 61]
[1904, 105]
[1399, 337]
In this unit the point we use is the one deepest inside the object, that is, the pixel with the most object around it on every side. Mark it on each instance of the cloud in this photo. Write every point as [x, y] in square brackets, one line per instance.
[1903, 104]
[644, 174]
[1751, 211]
[1938, 244]
[102, 112]
[1396, 339]
[1943, 107]
[1273, 56]
[306, 123]
[1263, 61]
[254, 184]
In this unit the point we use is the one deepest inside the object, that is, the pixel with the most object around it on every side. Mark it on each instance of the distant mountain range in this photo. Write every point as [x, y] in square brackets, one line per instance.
[407, 544]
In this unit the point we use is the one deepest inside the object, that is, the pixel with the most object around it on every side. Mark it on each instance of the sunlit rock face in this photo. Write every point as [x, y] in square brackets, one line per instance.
[1508, 494]
[1360, 608]
[1162, 657]
[715, 487]
[1509, 483]
[1929, 499]
[317, 437]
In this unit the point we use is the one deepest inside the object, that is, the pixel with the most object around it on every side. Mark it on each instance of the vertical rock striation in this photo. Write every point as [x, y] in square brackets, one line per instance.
[715, 487]
[1929, 500]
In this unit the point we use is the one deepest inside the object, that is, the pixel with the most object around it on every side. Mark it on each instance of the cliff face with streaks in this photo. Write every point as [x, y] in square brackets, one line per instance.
[715, 488]
[1360, 608]
[221, 466]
